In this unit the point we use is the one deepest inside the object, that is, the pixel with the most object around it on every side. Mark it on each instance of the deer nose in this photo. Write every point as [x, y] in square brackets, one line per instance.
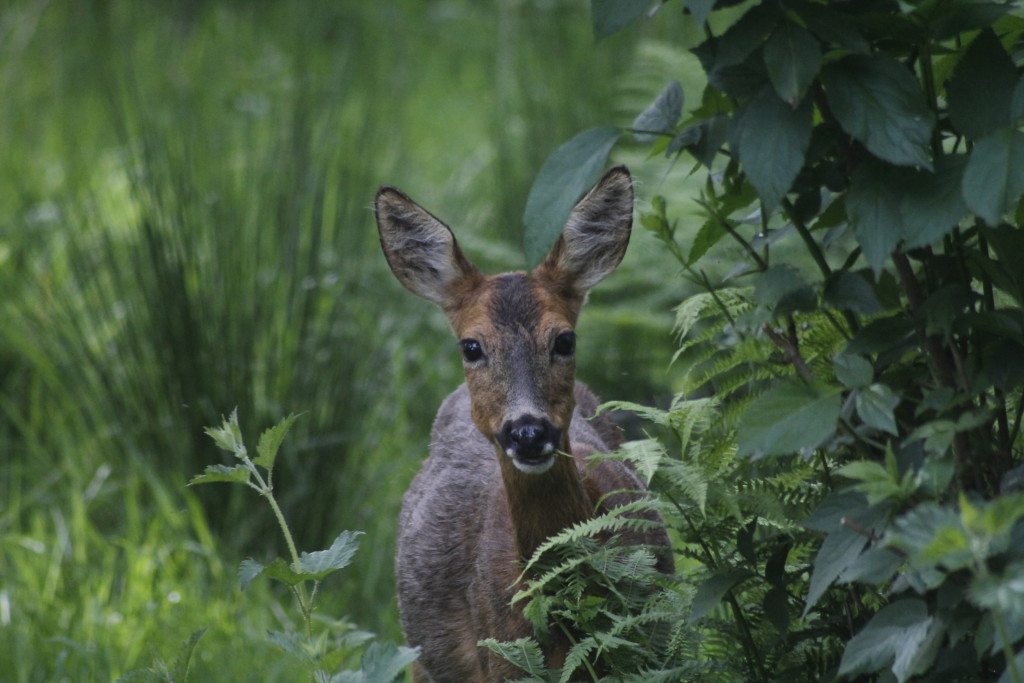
[530, 441]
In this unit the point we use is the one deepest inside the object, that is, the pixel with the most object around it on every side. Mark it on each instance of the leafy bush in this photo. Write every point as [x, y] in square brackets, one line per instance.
[842, 465]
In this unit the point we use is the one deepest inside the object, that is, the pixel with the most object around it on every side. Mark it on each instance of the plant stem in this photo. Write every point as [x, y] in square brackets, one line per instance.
[300, 589]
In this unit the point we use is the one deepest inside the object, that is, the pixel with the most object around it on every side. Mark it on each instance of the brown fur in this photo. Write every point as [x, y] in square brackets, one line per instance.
[472, 515]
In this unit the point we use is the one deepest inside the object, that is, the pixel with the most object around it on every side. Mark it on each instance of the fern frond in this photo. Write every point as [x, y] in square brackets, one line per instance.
[612, 521]
[523, 653]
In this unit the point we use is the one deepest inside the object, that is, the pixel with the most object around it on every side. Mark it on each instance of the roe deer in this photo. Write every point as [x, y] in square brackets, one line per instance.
[507, 466]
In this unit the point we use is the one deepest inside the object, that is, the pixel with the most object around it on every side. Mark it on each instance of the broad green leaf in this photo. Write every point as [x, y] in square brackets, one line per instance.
[610, 16]
[875, 565]
[932, 536]
[851, 292]
[994, 178]
[897, 632]
[661, 116]
[745, 35]
[282, 571]
[381, 663]
[793, 58]
[878, 101]
[771, 161]
[229, 435]
[776, 609]
[1004, 590]
[293, 643]
[875, 405]
[790, 417]
[782, 290]
[852, 370]
[318, 564]
[270, 442]
[215, 473]
[711, 592]
[985, 74]
[889, 206]
[524, 653]
[833, 26]
[885, 335]
[843, 545]
[569, 172]
[248, 570]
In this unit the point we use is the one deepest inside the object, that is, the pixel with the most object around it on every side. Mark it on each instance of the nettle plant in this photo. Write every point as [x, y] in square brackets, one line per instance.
[322, 647]
[843, 466]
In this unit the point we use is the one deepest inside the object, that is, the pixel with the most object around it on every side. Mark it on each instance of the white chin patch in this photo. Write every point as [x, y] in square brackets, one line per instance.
[533, 468]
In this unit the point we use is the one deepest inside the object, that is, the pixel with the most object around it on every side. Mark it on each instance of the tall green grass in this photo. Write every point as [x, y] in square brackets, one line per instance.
[185, 229]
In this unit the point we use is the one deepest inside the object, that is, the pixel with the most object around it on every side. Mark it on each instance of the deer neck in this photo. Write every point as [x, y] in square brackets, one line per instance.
[541, 505]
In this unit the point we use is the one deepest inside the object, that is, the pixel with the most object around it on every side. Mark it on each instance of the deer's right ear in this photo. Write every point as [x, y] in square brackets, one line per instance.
[420, 249]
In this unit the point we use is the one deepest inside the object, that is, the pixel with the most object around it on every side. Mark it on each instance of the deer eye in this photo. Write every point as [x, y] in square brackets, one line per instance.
[471, 350]
[565, 344]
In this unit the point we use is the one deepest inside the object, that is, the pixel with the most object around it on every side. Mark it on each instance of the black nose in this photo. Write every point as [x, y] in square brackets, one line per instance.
[529, 438]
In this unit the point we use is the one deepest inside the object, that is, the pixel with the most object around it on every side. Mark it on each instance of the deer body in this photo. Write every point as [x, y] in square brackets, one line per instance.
[507, 466]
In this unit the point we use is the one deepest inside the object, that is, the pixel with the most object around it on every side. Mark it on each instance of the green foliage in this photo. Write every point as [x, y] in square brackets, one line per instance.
[848, 503]
[183, 227]
[321, 653]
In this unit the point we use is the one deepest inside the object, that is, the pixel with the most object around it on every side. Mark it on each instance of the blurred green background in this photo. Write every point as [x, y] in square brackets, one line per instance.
[185, 228]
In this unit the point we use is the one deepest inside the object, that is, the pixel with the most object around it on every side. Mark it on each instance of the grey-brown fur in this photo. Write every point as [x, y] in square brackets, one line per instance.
[454, 531]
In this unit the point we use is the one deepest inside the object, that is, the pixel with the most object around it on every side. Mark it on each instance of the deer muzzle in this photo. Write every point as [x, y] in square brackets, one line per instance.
[531, 442]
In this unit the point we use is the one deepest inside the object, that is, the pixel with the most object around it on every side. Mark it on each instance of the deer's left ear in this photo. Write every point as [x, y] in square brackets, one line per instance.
[595, 237]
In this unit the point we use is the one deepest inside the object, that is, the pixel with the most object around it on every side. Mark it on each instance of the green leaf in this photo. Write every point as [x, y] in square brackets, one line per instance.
[878, 101]
[843, 545]
[318, 564]
[776, 609]
[524, 653]
[229, 435]
[661, 116]
[875, 405]
[875, 565]
[282, 571]
[611, 16]
[183, 662]
[932, 536]
[890, 205]
[985, 74]
[700, 9]
[994, 178]
[1000, 591]
[851, 292]
[381, 663]
[248, 570]
[790, 417]
[852, 370]
[215, 473]
[709, 234]
[833, 26]
[711, 592]
[270, 442]
[782, 290]
[771, 161]
[745, 35]
[897, 632]
[569, 172]
[793, 58]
